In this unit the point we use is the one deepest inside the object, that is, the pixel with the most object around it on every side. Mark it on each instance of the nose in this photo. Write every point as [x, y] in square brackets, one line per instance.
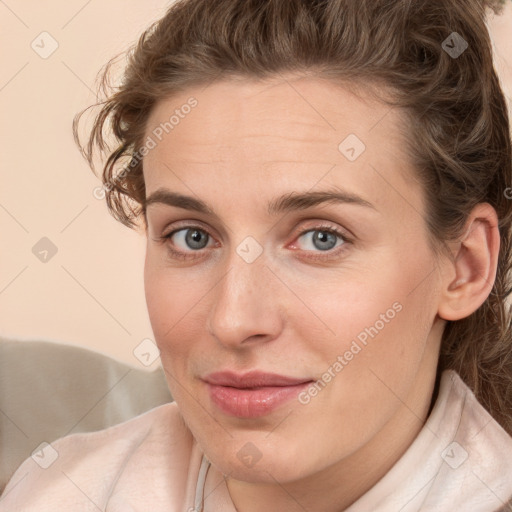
[246, 307]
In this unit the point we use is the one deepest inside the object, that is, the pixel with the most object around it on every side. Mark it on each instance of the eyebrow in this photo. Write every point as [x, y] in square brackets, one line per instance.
[283, 204]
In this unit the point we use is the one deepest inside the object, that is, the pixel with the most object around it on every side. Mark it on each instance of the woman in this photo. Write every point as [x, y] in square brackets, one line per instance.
[325, 190]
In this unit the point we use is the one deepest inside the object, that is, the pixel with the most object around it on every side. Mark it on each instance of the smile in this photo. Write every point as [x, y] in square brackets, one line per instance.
[253, 394]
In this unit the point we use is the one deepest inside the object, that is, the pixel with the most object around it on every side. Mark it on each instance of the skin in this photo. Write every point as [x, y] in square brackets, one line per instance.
[245, 144]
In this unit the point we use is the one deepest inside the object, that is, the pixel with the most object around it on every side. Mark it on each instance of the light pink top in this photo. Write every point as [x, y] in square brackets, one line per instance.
[460, 461]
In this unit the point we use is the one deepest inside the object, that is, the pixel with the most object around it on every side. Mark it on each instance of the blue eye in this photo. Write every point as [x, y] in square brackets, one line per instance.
[323, 239]
[194, 238]
[323, 242]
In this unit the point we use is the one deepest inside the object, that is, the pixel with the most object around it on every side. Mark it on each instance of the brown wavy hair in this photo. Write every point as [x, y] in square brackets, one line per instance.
[457, 122]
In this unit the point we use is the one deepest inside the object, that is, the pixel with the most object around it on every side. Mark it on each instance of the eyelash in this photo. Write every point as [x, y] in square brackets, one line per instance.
[322, 228]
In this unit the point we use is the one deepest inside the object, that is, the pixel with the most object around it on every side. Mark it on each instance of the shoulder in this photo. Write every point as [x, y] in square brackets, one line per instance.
[460, 460]
[476, 454]
[106, 467]
[477, 428]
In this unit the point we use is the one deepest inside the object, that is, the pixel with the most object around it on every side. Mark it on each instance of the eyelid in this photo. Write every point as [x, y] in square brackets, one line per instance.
[181, 224]
[186, 226]
[314, 225]
[331, 254]
[318, 225]
[321, 225]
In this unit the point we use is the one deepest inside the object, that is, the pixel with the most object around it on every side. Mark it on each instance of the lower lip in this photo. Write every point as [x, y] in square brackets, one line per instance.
[252, 403]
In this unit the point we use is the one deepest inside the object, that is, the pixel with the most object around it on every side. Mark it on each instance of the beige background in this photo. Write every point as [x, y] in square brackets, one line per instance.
[90, 293]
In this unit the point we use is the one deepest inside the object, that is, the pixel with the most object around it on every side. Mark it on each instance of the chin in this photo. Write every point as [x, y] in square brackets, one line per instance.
[250, 459]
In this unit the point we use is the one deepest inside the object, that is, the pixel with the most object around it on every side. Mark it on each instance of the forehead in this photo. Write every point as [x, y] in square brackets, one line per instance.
[302, 112]
[285, 131]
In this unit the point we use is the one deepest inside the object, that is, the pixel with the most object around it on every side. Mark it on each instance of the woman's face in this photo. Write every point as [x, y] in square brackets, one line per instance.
[296, 332]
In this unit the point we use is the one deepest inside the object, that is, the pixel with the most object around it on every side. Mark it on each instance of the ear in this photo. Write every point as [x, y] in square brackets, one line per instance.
[471, 274]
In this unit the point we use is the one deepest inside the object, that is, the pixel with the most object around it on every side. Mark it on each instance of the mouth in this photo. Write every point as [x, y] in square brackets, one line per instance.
[252, 394]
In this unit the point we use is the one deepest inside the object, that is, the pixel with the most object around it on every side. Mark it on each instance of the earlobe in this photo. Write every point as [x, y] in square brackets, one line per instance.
[473, 270]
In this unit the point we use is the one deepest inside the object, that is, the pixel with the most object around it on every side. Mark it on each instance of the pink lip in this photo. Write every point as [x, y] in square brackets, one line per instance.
[252, 394]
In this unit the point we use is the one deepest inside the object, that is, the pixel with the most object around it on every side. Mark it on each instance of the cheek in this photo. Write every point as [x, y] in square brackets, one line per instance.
[170, 303]
[166, 305]
[377, 318]
[382, 322]
[170, 293]
[340, 307]
[177, 305]
[387, 299]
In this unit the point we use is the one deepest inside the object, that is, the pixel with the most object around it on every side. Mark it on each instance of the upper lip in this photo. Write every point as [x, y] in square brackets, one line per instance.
[252, 379]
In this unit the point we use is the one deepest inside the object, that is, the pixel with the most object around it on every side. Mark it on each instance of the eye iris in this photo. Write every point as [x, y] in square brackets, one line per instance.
[193, 238]
[323, 240]
[322, 237]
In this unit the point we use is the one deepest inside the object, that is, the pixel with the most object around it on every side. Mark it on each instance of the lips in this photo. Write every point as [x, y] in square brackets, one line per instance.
[252, 394]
